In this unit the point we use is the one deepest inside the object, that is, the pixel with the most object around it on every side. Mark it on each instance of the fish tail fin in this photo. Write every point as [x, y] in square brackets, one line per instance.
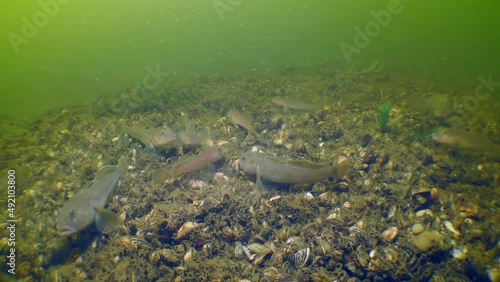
[100, 223]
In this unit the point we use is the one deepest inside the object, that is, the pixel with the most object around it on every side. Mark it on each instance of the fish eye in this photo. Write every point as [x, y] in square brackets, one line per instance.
[243, 158]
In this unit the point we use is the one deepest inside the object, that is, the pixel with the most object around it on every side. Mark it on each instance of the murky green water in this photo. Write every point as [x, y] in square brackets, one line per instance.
[71, 51]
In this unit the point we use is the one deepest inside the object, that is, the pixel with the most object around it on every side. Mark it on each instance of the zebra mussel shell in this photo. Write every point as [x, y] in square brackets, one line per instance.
[301, 257]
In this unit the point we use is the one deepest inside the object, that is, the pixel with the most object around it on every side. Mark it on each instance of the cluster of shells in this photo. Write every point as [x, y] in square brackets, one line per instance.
[325, 243]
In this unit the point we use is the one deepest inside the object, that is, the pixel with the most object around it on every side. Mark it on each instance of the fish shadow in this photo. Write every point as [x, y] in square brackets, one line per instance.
[71, 246]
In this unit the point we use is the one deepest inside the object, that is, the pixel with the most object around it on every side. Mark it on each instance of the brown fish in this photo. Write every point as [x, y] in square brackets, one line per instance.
[283, 171]
[294, 104]
[194, 163]
[238, 119]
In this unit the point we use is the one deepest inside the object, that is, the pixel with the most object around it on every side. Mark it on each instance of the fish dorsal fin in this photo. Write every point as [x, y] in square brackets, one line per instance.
[104, 170]
[86, 186]
[306, 164]
[184, 158]
[4, 164]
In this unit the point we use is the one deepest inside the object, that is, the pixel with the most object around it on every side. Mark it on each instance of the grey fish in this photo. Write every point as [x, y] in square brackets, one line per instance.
[21, 174]
[81, 209]
[295, 104]
[153, 138]
[189, 136]
[278, 170]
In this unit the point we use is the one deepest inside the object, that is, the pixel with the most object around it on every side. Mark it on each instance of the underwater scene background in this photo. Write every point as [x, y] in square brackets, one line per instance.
[237, 140]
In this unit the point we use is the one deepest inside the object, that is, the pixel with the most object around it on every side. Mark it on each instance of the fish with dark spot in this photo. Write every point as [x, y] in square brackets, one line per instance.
[278, 170]
[87, 205]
